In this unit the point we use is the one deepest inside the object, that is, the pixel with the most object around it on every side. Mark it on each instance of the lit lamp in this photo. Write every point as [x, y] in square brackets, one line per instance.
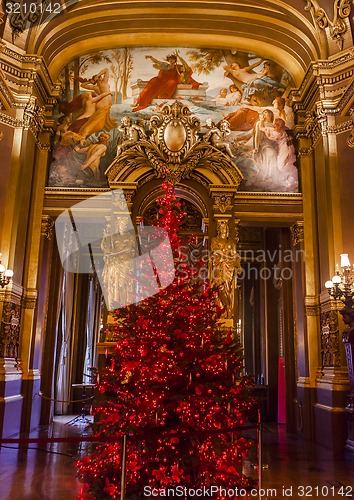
[341, 287]
[5, 275]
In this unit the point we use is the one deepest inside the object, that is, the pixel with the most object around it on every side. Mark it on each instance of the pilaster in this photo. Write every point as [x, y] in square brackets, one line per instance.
[322, 104]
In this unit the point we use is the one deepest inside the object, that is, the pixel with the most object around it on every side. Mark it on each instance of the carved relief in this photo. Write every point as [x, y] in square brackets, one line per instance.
[25, 13]
[174, 149]
[223, 201]
[329, 339]
[47, 226]
[297, 233]
[350, 140]
[10, 331]
[339, 26]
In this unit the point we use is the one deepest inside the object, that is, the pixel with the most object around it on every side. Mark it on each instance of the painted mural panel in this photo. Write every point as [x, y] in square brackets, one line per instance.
[106, 90]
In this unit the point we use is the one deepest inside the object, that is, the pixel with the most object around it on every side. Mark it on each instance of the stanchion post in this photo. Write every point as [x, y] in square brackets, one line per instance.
[259, 432]
[124, 468]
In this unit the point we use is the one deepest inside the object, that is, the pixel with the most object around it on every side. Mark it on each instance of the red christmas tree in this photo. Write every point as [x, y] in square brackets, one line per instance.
[174, 387]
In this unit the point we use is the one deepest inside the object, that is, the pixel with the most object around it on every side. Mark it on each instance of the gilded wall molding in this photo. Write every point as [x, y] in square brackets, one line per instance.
[312, 310]
[6, 97]
[329, 81]
[29, 298]
[339, 26]
[312, 305]
[27, 74]
[10, 121]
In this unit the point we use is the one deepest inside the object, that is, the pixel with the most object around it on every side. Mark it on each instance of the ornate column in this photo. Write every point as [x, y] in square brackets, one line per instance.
[321, 123]
[28, 129]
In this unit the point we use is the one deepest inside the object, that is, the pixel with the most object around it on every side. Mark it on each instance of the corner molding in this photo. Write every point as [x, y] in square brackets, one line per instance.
[339, 26]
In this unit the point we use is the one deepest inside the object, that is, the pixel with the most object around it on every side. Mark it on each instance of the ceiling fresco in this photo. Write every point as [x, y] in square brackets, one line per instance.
[240, 99]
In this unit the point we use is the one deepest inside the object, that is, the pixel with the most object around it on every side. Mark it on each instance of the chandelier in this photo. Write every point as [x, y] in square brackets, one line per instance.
[5, 274]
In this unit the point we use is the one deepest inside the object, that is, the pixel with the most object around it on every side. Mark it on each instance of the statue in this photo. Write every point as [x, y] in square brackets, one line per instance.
[217, 135]
[119, 250]
[224, 262]
[131, 133]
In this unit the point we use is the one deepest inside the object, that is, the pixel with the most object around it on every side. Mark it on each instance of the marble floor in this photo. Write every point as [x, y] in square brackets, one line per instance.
[291, 467]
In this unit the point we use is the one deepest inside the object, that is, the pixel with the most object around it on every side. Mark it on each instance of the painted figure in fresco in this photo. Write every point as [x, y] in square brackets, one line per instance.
[100, 119]
[265, 150]
[119, 251]
[164, 85]
[217, 135]
[256, 82]
[243, 74]
[263, 85]
[88, 105]
[225, 263]
[234, 97]
[281, 110]
[242, 119]
[286, 170]
[62, 127]
[131, 133]
[95, 152]
[220, 100]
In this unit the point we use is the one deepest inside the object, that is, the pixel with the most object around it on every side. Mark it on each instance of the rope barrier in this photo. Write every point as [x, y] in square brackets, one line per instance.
[64, 400]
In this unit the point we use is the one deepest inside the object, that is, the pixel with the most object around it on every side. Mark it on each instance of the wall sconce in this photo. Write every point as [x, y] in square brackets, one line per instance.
[5, 275]
[341, 287]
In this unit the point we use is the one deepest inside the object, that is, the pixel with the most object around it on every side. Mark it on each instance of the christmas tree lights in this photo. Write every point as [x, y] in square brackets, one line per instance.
[174, 386]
